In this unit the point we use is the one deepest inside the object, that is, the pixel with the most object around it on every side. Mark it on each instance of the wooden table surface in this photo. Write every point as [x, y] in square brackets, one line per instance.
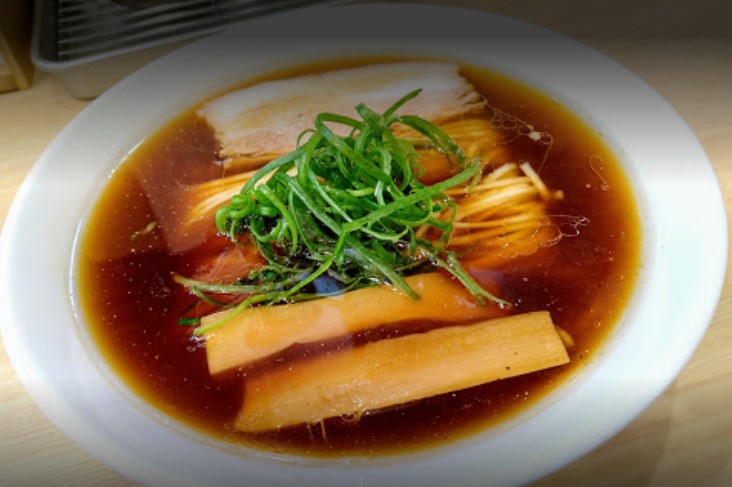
[683, 49]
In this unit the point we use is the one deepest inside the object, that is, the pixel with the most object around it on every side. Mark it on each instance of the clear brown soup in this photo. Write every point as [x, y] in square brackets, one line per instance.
[132, 306]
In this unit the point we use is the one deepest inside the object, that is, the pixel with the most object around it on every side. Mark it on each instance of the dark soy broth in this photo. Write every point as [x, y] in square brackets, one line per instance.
[132, 306]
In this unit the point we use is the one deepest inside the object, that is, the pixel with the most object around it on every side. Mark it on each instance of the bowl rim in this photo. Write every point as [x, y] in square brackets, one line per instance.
[75, 392]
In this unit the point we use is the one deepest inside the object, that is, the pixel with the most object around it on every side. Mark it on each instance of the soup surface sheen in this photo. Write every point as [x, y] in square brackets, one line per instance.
[132, 305]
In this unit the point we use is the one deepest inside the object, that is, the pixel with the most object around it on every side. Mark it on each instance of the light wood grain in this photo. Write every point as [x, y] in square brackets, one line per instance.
[683, 49]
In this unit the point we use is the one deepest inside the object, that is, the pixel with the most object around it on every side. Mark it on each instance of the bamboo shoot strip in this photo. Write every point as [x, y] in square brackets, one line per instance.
[396, 371]
[261, 331]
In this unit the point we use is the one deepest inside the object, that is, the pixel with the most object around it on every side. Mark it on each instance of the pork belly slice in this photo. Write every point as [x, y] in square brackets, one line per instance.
[264, 120]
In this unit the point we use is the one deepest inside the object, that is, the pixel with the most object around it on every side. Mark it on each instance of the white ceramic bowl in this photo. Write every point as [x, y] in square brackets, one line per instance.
[678, 288]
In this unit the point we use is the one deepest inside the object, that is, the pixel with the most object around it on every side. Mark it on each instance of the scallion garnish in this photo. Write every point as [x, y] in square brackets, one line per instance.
[347, 207]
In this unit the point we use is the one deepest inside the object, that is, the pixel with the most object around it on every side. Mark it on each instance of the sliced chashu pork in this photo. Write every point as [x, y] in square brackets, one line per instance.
[266, 119]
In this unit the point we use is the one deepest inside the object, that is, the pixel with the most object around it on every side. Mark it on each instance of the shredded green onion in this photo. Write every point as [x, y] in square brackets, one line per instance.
[350, 211]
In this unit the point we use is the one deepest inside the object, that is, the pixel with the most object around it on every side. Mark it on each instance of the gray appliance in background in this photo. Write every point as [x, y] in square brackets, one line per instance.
[91, 44]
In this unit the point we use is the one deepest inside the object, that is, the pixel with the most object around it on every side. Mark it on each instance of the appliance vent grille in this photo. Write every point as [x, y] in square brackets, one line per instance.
[88, 28]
